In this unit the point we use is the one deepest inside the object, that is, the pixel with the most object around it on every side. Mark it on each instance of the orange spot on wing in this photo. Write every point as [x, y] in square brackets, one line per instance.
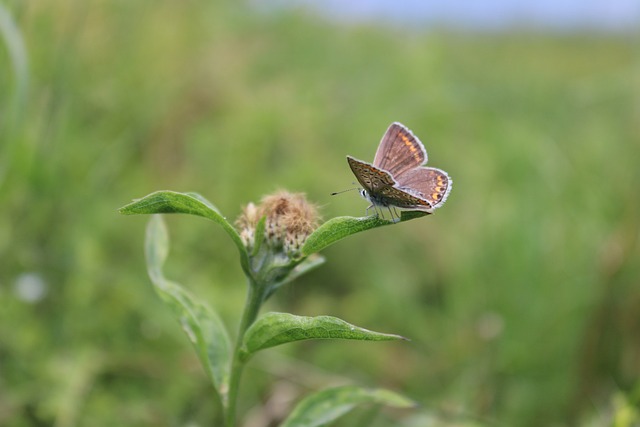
[412, 147]
[407, 142]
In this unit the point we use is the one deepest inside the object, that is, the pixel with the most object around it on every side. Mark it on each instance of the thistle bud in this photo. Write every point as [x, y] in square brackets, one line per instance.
[289, 220]
[246, 223]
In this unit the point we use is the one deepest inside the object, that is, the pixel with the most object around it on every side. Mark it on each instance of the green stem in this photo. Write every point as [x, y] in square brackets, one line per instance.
[255, 297]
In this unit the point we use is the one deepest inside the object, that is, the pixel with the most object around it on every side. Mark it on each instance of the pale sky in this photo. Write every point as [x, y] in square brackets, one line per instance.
[489, 14]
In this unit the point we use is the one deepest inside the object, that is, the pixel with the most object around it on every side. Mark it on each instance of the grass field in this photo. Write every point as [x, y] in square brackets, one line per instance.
[521, 295]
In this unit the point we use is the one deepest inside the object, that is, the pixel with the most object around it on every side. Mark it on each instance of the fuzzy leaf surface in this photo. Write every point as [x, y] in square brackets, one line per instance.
[202, 325]
[274, 329]
[167, 202]
[324, 407]
[343, 226]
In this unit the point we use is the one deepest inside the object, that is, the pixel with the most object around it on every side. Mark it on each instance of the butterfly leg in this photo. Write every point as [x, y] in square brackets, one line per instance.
[379, 211]
[366, 212]
[399, 215]
[396, 217]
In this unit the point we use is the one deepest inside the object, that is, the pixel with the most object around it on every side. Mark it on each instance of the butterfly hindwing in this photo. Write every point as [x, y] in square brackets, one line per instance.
[427, 183]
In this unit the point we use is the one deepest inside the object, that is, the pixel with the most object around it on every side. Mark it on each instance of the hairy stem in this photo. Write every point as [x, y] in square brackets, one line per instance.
[255, 297]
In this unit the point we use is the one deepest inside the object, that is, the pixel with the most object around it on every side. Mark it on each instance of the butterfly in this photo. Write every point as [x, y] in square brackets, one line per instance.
[397, 177]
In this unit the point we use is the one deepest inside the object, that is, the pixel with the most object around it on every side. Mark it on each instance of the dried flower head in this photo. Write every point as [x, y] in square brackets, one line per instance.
[289, 220]
[246, 223]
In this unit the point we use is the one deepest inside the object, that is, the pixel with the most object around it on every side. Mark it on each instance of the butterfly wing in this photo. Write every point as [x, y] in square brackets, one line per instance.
[393, 196]
[370, 177]
[399, 151]
[430, 184]
[396, 177]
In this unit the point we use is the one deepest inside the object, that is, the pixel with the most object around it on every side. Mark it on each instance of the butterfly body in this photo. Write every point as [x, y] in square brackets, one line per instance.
[397, 177]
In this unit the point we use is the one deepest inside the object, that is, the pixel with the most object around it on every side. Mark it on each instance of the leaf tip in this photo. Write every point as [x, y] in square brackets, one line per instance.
[396, 337]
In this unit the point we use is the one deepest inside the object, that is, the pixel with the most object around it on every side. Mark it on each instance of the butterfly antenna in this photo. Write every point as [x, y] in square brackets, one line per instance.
[344, 191]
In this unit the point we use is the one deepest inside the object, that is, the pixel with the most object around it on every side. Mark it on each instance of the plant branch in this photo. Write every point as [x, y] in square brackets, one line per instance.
[255, 297]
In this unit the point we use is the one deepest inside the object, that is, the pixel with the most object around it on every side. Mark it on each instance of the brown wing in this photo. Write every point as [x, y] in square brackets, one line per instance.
[370, 177]
[399, 150]
[430, 184]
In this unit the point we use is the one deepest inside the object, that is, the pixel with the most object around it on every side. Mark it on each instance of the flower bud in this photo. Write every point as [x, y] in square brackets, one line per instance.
[289, 220]
[246, 223]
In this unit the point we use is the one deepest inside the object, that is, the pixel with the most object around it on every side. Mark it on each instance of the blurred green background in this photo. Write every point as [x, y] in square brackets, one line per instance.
[521, 295]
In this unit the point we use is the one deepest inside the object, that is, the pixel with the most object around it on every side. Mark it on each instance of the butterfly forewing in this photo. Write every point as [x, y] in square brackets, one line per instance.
[399, 151]
[430, 184]
[370, 177]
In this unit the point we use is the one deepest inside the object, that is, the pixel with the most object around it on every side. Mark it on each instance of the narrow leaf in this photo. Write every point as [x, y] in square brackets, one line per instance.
[173, 202]
[259, 235]
[326, 406]
[274, 329]
[343, 226]
[201, 198]
[202, 325]
[166, 202]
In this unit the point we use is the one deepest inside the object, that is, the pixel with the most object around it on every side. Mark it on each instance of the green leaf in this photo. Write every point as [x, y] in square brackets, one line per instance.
[166, 202]
[202, 325]
[326, 406]
[409, 215]
[343, 226]
[259, 235]
[274, 329]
